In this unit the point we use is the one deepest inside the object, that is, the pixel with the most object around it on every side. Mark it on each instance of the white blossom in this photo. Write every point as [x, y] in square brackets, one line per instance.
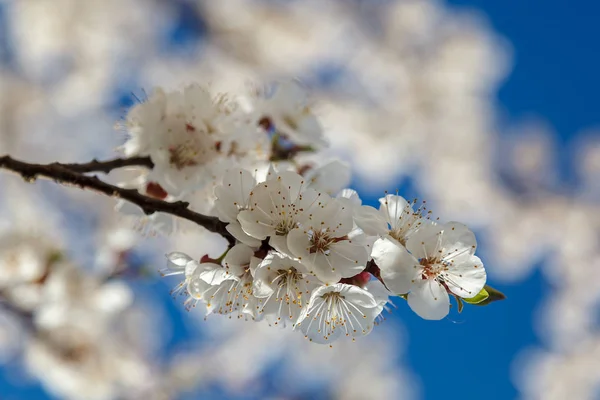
[233, 196]
[330, 178]
[188, 135]
[395, 217]
[227, 289]
[288, 109]
[283, 286]
[338, 309]
[437, 260]
[322, 243]
[277, 206]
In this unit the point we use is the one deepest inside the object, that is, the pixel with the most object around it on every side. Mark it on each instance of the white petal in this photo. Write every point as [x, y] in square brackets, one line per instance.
[293, 183]
[349, 196]
[397, 266]
[457, 240]
[178, 260]
[279, 243]
[268, 200]
[395, 208]
[333, 216]
[298, 243]
[233, 193]
[348, 258]
[429, 300]
[236, 230]
[426, 242]
[379, 292]
[323, 268]
[370, 220]
[238, 258]
[309, 202]
[467, 279]
[262, 278]
[214, 274]
[331, 177]
[256, 225]
[310, 325]
[356, 295]
[176, 263]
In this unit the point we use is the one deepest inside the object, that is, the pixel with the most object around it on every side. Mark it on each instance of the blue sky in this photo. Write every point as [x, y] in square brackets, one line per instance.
[556, 62]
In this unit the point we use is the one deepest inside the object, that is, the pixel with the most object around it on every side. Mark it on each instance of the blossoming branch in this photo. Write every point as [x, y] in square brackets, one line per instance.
[304, 252]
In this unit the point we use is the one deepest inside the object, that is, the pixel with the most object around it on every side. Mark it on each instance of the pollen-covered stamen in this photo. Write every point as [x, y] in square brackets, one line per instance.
[330, 314]
[284, 226]
[192, 147]
[287, 278]
[438, 270]
[320, 241]
[432, 268]
[404, 221]
[183, 155]
[239, 294]
[289, 291]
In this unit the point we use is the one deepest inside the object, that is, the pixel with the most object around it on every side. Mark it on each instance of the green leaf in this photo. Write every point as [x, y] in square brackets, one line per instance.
[479, 297]
[404, 296]
[493, 295]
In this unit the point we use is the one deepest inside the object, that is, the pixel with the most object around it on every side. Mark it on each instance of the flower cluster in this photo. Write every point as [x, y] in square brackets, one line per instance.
[305, 252]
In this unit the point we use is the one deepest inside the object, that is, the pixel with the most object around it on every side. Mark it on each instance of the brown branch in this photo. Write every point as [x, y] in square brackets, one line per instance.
[107, 166]
[62, 174]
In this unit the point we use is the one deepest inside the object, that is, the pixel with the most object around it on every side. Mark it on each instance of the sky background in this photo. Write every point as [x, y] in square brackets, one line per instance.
[556, 59]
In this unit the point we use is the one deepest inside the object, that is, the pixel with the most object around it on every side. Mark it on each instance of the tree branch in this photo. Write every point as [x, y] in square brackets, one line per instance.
[62, 174]
[107, 166]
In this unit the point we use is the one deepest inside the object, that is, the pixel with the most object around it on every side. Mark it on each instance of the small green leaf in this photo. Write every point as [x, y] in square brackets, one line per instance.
[404, 296]
[479, 297]
[493, 295]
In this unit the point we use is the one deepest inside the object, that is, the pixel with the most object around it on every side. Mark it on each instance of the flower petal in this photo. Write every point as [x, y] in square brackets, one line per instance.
[280, 243]
[256, 225]
[238, 258]
[457, 240]
[370, 220]
[348, 258]
[429, 300]
[236, 230]
[233, 194]
[425, 242]
[397, 266]
[395, 208]
[467, 279]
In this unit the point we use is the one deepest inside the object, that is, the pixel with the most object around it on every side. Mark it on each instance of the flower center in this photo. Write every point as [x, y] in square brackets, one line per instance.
[288, 277]
[333, 299]
[184, 155]
[432, 268]
[284, 226]
[320, 242]
[399, 234]
[191, 146]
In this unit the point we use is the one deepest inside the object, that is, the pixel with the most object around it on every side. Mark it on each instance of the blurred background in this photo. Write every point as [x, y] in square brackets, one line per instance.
[486, 109]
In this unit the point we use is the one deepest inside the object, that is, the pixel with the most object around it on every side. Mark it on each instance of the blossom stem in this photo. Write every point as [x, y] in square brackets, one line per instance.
[64, 175]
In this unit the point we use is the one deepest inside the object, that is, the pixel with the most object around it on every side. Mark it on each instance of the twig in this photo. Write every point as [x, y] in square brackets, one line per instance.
[107, 166]
[26, 317]
[62, 174]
